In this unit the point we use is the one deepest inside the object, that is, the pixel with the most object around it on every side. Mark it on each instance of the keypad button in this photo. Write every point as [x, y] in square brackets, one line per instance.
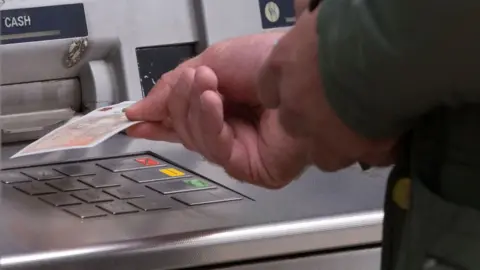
[66, 185]
[153, 204]
[14, 178]
[118, 208]
[43, 174]
[126, 193]
[206, 197]
[60, 200]
[35, 188]
[78, 169]
[130, 164]
[103, 181]
[92, 196]
[178, 186]
[85, 211]
[147, 161]
[157, 174]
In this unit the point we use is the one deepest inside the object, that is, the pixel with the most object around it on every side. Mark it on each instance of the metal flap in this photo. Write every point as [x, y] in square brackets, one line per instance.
[31, 126]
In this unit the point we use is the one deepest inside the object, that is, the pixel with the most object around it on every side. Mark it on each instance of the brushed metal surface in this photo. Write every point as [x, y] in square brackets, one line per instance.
[318, 211]
[40, 96]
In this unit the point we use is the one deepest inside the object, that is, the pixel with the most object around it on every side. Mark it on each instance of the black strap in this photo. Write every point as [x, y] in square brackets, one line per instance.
[314, 4]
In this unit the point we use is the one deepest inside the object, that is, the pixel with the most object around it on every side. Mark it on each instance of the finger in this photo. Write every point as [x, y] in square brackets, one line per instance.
[216, 134]
[178, 106]
[205, 79]
[153, 107]
[247, 161]
[239, 156]
[153, 131]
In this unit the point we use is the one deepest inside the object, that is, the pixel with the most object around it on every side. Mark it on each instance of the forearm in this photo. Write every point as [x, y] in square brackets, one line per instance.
[386, 63]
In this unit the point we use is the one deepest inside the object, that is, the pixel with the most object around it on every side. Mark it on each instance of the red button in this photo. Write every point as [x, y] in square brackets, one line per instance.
[147, 161]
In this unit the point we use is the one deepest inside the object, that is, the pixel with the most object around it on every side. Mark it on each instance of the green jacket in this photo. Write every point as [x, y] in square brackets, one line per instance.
[412, 68]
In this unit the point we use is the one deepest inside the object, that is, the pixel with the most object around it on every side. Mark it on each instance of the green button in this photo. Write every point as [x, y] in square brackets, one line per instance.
[197, 183]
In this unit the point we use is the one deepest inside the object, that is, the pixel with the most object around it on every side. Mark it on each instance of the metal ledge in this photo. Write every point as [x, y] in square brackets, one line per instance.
[213, 246]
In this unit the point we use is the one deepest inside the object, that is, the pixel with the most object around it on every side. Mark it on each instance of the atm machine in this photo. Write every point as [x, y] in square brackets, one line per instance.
[144, 205]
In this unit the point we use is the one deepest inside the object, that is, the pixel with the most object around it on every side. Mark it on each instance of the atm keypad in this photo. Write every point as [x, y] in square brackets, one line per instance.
[60, 200]
[14, 178]
[118, 208]
[43, 174]
[86, 211]
[67, 185]
[124, 193]
[117, 186]
[131, 164]
[179, 186]
[206, 197]
[35, 188]
[154, 204]
[156, 174]
[78, 169]
[102, 181]
[92, 196]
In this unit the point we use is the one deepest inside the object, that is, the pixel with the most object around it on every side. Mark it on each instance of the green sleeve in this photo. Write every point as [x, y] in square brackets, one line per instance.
[386, 63]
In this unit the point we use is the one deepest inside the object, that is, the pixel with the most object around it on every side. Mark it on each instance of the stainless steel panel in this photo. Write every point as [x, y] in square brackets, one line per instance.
[33, 125]
[40, 96]
[319, 211]
[354, 260]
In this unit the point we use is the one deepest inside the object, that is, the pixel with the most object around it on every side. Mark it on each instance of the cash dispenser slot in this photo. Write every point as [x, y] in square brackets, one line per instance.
[31, 110]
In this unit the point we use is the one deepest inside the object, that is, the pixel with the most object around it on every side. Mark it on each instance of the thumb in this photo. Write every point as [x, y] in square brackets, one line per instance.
[153, 108]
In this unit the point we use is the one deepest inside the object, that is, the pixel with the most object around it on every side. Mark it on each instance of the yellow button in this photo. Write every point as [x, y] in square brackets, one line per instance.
[172, 172]
[401, 193]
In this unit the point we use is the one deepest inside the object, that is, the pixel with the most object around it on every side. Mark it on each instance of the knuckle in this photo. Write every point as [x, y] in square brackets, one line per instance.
[167, 78]
[188, 146]
[275, 63]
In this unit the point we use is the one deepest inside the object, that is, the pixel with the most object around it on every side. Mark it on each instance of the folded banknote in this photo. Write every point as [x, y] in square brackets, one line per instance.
[84, 132]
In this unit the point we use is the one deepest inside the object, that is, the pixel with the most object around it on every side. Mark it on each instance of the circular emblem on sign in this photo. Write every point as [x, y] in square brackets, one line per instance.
[272, 12]
[76, 50]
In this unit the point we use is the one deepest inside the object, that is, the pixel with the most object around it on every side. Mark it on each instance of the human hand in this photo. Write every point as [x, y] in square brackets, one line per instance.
[290, 81]
[210, 105]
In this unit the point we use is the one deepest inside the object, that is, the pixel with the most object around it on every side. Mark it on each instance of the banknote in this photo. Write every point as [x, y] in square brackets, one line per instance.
[84, 132]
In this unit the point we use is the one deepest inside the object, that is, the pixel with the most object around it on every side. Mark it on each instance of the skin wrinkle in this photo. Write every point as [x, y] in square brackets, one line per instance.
[270, 177]
[250, 174]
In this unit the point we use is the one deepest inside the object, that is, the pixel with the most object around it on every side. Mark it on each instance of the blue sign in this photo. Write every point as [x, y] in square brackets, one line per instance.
[277, 13]
[42, 23]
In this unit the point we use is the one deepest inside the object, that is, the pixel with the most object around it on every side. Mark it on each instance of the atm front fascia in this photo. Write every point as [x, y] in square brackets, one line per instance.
[145, 205]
